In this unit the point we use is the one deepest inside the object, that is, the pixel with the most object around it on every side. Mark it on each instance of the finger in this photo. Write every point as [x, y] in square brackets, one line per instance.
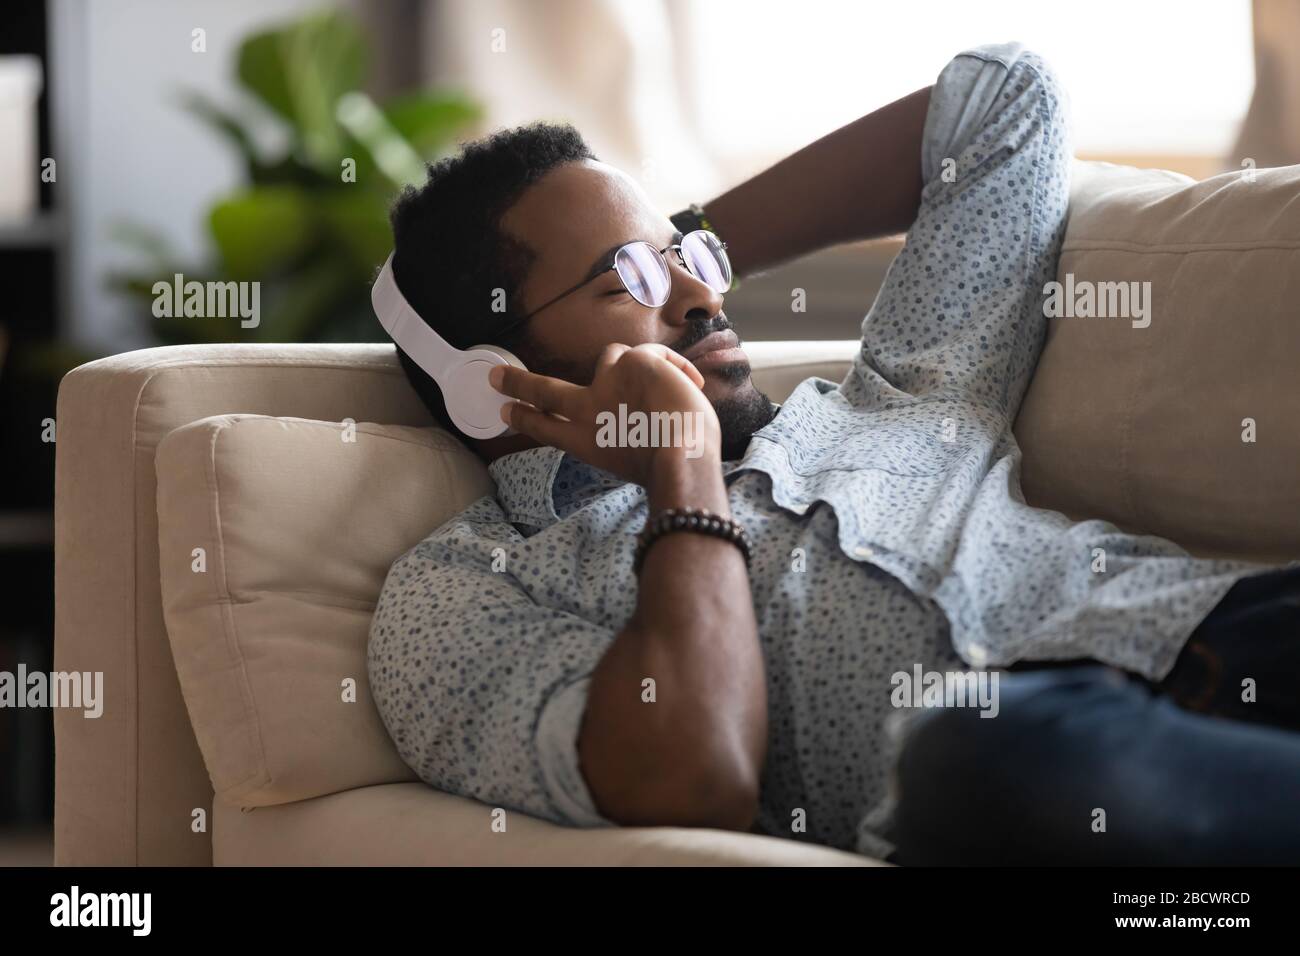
[611, 354]
[686, 365]
[540, 426]
[543, 391]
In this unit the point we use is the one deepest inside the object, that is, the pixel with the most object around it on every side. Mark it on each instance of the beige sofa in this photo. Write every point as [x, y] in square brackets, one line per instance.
[225, 515]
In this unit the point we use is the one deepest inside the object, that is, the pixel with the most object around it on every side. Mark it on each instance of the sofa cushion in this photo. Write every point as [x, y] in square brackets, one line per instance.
[1143, 424]
[298, 528]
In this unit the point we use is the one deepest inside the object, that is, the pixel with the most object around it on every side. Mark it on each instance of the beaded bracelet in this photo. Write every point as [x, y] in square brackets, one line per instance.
[699, 520]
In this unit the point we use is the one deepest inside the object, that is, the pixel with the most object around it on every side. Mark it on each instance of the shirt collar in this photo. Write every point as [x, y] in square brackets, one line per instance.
[540, 486]
[524, 481]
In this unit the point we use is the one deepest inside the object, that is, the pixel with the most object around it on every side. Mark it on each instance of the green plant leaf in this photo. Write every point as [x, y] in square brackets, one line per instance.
[134, 284]
[147, 241]
[51, 360]
[388, 149]
[261, 68]
[392, 143]
[301, 306]
[262, 230]
[357, 222]
[310, 239]
[224, 123]
[431, 121]
[300, 70]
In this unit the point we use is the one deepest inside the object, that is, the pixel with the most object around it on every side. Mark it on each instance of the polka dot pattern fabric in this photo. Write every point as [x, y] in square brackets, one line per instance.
[886, 513]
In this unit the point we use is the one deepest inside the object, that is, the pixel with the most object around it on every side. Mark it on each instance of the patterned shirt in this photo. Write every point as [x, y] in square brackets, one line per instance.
[896, 490]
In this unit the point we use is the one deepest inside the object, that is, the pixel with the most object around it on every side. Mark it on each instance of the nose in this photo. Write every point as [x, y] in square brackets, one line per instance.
[691, 299]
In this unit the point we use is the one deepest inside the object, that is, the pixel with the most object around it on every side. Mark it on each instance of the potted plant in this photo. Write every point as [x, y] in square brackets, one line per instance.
[310, 223]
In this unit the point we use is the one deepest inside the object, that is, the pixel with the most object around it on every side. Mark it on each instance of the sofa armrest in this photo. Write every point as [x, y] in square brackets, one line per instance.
[127, 783]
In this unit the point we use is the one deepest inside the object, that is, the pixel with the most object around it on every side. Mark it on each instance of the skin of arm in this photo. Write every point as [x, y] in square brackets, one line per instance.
[694, 632]
[862, 181]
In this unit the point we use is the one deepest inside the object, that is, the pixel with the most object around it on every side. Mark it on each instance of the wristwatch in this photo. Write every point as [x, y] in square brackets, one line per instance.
[691, 218]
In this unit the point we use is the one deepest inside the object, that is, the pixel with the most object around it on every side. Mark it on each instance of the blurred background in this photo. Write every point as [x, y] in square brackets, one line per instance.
[262, 140]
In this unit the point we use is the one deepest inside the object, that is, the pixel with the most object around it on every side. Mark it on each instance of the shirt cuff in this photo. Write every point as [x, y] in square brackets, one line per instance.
[964, 94]
[557, 754]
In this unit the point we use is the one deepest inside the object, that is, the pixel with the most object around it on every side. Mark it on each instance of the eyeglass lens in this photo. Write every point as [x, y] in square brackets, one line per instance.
[644, 271]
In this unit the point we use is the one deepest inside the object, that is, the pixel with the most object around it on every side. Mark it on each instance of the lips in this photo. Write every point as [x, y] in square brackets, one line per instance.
[725, 339]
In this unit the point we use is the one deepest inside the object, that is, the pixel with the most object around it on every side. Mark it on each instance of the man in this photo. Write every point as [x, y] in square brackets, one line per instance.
[533, 653]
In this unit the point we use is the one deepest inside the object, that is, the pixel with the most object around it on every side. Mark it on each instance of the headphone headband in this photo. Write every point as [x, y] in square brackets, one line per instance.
[473, 405]
[426, 347]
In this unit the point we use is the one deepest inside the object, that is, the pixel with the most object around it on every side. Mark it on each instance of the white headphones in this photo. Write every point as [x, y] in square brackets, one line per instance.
[473, 404]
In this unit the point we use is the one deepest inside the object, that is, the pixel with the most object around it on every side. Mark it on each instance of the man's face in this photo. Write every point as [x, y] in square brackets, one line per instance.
[572, 217]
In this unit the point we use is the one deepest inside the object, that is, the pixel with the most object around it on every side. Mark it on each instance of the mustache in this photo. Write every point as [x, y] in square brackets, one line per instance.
[702, 330]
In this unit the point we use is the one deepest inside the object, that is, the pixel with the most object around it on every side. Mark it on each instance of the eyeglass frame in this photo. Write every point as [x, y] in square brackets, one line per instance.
[612, 259]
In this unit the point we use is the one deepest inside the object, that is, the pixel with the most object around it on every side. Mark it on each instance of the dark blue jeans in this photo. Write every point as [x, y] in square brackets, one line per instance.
[1089, 765]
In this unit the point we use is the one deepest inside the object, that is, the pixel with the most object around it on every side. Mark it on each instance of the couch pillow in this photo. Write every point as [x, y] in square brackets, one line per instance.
[1146, 421]
[298, 527]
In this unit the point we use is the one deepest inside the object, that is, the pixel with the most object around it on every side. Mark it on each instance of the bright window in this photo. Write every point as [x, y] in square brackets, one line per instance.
[1156, 77]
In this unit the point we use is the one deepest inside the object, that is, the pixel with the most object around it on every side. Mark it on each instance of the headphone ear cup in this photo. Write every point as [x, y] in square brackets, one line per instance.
[508, 356]
[472, 403]
[512, 359]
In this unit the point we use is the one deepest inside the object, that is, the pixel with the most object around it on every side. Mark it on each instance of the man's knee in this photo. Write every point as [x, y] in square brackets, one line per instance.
[969, 787]
[1027, 703]
[1042, 716]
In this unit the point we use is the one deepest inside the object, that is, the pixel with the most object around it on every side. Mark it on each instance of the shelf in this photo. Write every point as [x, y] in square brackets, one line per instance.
[28, 528]
[43, 229]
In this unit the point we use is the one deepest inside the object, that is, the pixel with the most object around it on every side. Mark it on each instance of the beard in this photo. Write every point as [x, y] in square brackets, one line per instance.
[744, 409]
[741, 412]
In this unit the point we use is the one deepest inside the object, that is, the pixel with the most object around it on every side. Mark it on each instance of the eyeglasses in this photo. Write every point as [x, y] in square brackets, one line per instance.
[644, 271]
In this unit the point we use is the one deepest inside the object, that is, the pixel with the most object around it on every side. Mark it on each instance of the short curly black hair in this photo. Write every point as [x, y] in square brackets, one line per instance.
[450, 253]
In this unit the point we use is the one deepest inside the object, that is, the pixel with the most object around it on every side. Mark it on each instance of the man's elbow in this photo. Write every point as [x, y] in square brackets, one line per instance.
[722, 797]
[734, 807]
[711, 798]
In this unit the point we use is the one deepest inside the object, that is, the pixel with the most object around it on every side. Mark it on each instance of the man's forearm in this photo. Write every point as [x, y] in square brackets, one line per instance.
[862, 181]
[694, 755]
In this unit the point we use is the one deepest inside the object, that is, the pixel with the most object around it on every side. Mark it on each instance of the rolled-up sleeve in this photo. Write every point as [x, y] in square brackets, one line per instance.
[960, 313]
[482, 689]
[557, 733]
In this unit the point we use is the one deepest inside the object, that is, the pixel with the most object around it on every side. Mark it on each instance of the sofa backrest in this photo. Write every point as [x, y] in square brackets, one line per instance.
[1180, 418]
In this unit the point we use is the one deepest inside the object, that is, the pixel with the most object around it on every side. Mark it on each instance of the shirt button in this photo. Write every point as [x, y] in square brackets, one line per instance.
[862, 552]
[977, 654]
